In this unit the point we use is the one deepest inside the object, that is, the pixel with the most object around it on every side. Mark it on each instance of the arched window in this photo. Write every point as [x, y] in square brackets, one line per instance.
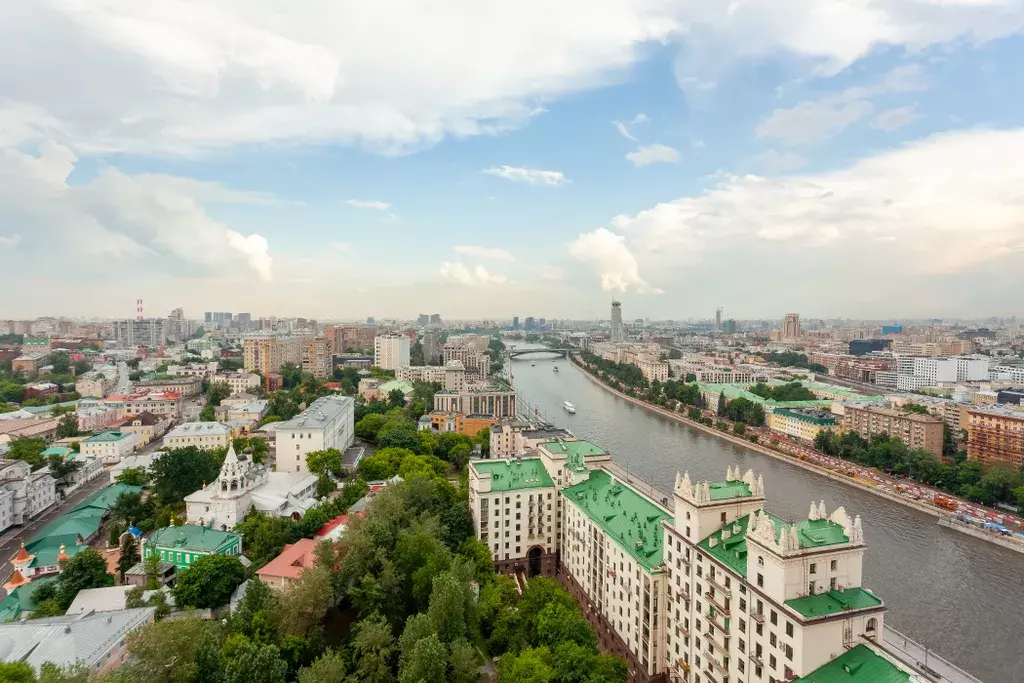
[872, 629]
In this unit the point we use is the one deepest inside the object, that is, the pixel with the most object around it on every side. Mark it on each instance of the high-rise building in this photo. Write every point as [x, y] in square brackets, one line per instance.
[423, 319]
[791, 326]
[316, 357]
[530, 323]
[618, 333]
[718, 319]
[266, 354]
[370, 320]
[218, 318]
[177, 326]
[729, 326]
[243, 321]
[149, 332]
[435, 319]
[391, 351]
[515, 322]
[431, 344]
[327, 423]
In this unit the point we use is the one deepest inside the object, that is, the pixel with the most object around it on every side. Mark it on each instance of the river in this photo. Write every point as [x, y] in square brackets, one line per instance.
[960, 596]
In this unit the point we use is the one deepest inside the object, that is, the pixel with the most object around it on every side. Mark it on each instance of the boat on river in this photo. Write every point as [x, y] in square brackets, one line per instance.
[555, 369]
[569, 408]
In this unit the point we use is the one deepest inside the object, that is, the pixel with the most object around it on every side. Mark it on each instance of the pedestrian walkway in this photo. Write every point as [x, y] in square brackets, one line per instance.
[922, 659]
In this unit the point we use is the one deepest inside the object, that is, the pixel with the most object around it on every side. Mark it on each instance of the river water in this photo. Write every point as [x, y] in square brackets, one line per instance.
[960, 596]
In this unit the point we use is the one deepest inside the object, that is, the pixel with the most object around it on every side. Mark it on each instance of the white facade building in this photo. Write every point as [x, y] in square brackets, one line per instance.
[24, 494]
[973, 369]
[110, 447]
[935, 370]
[421, 373]
[391, 351]
[203, 435]
[239, 382]
[326, 423]
[242, 486]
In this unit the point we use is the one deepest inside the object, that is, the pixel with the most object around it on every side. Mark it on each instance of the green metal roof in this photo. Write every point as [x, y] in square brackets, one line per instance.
[803, 417]
[22, 599]
[516, 475]
[191, 537]
[732, 551]
[632, 521]
[103, 437]
[575, 452]
[107, 496]
[833, 602]
[859, 665]
[396, 384]
[57, 450]
[727, 490]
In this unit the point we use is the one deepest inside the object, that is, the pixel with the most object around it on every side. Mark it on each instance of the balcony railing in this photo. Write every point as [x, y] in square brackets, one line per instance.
[720, 586]
[757, 616]
[756, 659]
[718, 605]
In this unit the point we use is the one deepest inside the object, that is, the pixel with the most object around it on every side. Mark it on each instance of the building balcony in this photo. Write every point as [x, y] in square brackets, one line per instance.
[757, 616]
[717, 665]
[720, 624]
[683, 631]
[755, 658]
[721, 587]
[684, 593]
[718, 605]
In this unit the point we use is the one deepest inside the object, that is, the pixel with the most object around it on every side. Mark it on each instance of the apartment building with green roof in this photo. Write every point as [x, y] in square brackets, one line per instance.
[183, 545]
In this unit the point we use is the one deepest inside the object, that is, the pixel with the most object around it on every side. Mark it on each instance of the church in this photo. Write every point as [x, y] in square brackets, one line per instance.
[244, 485]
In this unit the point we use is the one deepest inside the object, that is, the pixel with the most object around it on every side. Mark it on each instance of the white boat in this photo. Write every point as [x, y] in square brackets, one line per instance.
[533, 363]
[569, 408]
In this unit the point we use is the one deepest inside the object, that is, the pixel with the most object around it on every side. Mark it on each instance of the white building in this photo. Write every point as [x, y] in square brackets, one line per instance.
[653, 370]
[6, 508]
[326, 423]
[203, 435]
[239, 382]
[391, 351]
[110, 447]
[911, 382]
[935, 370]
[703, 585]
[30, 493]
[200, 370]
[242, 486]
[421, 373]
[143, 461]
[972, 369]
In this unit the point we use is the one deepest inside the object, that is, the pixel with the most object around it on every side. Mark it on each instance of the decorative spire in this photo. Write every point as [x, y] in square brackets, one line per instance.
[813, 514]
[22, 555]
[760, 485]
[17, 581]
[858, 531]
[62, 555]
[821, 510]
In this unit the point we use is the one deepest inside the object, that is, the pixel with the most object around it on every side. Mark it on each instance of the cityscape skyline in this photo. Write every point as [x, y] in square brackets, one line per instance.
[682, 153]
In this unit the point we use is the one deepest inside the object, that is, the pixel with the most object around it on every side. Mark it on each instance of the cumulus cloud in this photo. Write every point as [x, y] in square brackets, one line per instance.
[363, 204]
[639, 118]
[158, 221]
[486, 252]
[818, 120]
[774, 161]
[547, 272]
[894, 119]
[654, 154]
[183, 77]
[948, 204]
[460, 274]
[612, 259]
[528, 175]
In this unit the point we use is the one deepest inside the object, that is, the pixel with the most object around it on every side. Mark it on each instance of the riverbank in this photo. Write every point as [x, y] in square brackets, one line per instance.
[926, 508]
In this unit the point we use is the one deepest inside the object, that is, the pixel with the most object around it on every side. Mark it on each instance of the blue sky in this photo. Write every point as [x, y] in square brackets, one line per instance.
[851, 158]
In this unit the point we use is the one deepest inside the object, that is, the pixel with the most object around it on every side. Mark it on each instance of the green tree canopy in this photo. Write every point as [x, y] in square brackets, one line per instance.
[209, 581]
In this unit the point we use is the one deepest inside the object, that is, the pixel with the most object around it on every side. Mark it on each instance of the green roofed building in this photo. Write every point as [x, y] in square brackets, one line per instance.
[861, 664]
[21, 601]
[182, 545]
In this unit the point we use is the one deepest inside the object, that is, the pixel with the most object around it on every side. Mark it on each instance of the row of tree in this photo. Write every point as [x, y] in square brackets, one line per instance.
[792, 359]
[617, 375]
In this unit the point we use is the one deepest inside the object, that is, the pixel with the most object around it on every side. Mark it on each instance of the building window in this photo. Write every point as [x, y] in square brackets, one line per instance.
[814, 567]
[775, 618]
[760, 580]
[789, 629]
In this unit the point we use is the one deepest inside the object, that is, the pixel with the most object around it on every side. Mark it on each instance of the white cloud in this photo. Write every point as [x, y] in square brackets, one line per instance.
[894, 119]
[654, 154]
[363, 204]
[546, 272]
[10, 241]
[155, 222]
[179, 77]
[623, 131]
[528, 175]
[949, 204]
[486, 253]
[639, 118]
[818, 120]
[779, 162]
[460, 274]
[612, 259]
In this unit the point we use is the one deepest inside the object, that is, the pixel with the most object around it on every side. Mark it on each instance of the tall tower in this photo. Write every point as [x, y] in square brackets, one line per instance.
[617, 322]
[718, 318]
[791, 326]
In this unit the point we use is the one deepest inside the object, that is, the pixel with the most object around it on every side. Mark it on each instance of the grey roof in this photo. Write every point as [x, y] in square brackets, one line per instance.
[70, 638]
[107, 599]
[319, 414]
[198, 429]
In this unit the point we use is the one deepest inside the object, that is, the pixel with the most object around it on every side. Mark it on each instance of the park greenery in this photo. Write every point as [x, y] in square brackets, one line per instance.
[792, 391]
[792, 359]
[997, 483]
[616, 375]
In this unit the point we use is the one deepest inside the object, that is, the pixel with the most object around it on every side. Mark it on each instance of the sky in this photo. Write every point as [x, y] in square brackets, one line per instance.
[838, 158]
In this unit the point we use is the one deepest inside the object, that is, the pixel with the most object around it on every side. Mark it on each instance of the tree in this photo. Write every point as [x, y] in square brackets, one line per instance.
[61, 467]
[374, 645]
[396, 398]
[558, 623]
[305, 602]
[325, 486]
[322, 462]
[264, 536]
[133, 476]
[331, 667]
[207, 414]
[368, 427]
[447, 610]
[173, 647]
[130, 508]
[181, 471]
[529, 666]
[129, 555]
[72, 673]
[464, 663]
[459, 456]
[398, 436]
[209, 581]
[721, 404]
[28, 449]
[428, 661]
[217, 392]
[17, 672]
[739, 429]
[251, 663]
[87, 569]
[67, 426]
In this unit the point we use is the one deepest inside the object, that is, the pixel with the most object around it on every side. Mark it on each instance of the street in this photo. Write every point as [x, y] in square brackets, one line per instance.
[11, 541]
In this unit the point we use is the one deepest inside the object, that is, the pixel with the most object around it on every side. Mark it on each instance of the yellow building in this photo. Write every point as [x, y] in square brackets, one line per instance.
[801, 423]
